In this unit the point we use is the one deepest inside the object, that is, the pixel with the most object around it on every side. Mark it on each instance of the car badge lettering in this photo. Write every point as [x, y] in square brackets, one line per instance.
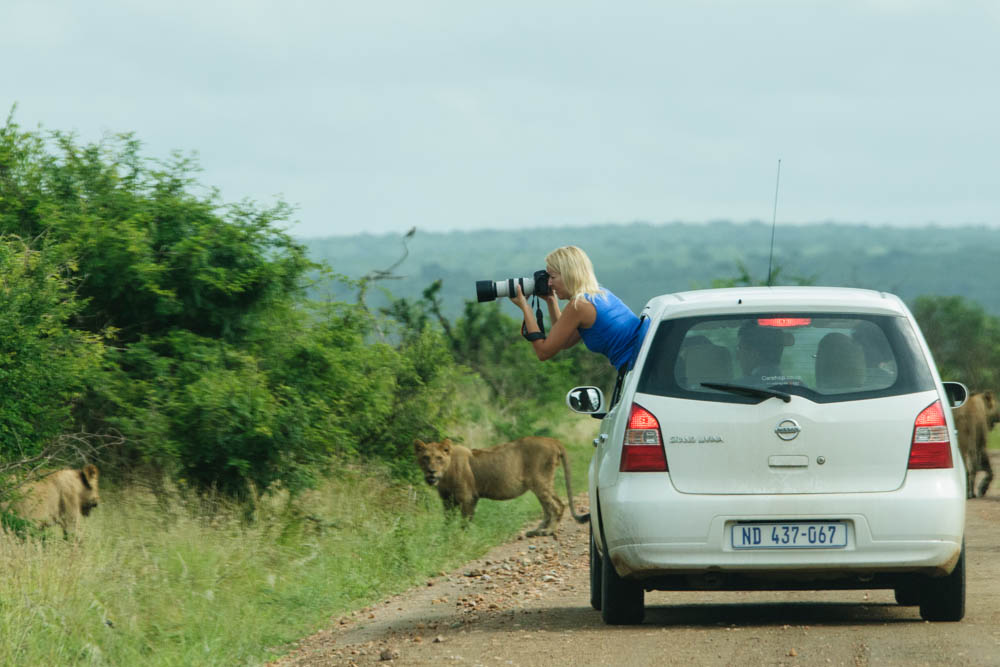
[694, 439]
[788, 429]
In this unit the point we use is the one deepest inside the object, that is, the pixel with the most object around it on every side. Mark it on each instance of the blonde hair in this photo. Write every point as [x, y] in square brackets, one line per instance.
[577, 273]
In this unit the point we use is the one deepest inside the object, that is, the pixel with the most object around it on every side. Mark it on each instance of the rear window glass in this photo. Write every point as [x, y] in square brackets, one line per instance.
[824, 357]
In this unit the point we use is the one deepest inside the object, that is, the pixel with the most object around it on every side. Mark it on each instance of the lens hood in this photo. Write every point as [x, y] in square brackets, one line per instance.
[486, 290]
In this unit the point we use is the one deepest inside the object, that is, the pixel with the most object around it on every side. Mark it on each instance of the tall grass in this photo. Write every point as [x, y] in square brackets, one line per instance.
[188, 580]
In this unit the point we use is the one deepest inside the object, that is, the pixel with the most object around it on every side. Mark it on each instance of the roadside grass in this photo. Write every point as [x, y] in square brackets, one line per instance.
[187, 580]
[993, 441]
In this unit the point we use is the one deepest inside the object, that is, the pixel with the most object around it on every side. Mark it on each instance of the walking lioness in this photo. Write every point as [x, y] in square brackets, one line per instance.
[973, 421]
[463, 476]
[61, 498]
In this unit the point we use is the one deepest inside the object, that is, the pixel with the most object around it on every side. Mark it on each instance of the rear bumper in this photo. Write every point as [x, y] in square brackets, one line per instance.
[652, 533]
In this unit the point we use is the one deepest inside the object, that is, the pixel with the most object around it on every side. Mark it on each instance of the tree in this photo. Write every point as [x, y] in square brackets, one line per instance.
[153, 255]
[487, 341]
[963, 338]
[217, 368]
[45, 364]
[175, 280]
[745, 279]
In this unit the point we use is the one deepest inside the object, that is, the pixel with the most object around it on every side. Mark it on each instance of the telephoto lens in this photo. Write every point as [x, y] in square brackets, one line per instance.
[490, 290]
[486, 290]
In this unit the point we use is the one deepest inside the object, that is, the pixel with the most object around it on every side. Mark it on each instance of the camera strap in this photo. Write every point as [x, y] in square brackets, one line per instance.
[536, 335]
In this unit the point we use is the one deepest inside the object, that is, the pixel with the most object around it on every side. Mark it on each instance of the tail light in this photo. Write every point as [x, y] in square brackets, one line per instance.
[643, 447]
[931, 446]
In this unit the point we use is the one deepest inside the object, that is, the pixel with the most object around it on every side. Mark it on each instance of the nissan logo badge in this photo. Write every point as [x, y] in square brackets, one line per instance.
[788, 429]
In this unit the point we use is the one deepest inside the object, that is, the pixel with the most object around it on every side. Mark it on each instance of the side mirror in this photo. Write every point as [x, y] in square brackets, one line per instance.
[957, 393]
[586, 400]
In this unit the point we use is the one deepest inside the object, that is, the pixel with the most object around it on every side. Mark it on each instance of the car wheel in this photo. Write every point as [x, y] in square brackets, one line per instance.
[622, 601]
[907, 595]
[595, 573]
[943, 598]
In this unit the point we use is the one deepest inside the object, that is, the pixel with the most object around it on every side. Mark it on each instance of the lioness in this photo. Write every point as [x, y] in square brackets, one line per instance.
[463, 476]
[60, 498]
[973, 422]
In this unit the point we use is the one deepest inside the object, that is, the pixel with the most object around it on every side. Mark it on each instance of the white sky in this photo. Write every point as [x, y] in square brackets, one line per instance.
[378, 116]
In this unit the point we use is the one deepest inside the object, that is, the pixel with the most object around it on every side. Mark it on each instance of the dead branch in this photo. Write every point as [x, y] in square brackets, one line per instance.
[69, 448]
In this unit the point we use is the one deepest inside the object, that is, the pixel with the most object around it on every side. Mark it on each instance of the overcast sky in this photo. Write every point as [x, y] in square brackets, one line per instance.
[379, 116]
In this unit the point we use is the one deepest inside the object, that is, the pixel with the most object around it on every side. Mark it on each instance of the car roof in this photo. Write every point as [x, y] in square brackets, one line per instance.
[774, 299]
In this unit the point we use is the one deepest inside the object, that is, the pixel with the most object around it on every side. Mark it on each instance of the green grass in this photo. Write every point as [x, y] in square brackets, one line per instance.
[190, 581]
[994, 439]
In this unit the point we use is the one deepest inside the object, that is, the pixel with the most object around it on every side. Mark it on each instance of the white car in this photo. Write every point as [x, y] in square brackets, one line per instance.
[777, 438]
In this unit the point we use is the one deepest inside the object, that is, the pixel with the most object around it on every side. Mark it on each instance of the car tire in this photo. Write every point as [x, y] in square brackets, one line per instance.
[943, 598]
[595, 573]
[622, 601]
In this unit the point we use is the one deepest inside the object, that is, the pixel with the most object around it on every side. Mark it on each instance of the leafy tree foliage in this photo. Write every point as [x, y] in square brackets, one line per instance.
[638, 261]
[153, 255]
[363, 397]
[963, 338]
[488, 342]
[746, 279]
[217, 368]
[43, 361]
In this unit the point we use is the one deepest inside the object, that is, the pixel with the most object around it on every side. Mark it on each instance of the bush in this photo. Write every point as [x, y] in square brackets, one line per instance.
[154, 255]
[306, 393]
[964, 339]
[44, 363]
[489, 343]
[218, 371]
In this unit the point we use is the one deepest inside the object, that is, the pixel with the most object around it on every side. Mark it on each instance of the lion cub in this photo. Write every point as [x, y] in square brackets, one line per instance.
[463, 476]
[60, 498]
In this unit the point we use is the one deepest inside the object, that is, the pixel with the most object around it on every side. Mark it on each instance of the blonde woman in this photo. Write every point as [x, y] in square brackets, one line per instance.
[594, 315]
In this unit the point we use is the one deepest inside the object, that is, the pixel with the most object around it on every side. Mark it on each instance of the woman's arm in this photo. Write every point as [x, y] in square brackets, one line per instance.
[563, 333]
[572, 340]
[553, 303]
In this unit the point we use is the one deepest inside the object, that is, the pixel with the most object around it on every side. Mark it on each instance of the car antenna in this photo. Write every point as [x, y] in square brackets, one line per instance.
[774, 219]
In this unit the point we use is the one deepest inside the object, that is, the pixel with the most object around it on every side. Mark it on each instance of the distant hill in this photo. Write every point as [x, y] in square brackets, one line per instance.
[640, 260]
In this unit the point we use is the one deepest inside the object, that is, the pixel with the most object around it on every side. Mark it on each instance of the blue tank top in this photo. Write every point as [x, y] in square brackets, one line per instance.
[616, 332]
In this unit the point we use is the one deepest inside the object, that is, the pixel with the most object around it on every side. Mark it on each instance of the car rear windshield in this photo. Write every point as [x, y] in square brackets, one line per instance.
[825, 357]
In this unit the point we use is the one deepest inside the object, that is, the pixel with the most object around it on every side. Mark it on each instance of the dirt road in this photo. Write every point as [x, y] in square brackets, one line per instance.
[527, 603]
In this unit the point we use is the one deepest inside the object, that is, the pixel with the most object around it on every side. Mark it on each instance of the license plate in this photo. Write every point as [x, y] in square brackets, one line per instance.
[790, 535]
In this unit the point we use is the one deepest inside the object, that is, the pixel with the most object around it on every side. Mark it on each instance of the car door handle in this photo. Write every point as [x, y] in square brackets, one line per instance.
[601, 439]
[788, 461]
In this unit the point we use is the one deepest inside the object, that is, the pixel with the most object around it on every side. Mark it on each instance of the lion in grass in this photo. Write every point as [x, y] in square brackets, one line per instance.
[973, 422]
[60, 498]
[463, 476]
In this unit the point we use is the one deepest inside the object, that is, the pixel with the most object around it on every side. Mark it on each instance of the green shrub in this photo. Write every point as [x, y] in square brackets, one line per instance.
[44, 363]
[964, 339]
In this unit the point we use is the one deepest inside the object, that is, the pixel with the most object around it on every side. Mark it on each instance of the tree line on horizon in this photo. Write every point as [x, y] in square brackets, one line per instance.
[640, 260]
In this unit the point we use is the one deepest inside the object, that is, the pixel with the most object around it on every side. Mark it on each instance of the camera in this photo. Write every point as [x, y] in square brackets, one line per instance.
[490, 290]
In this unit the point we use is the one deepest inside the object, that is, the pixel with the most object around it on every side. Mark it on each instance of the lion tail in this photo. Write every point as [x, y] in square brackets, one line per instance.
[580, 518]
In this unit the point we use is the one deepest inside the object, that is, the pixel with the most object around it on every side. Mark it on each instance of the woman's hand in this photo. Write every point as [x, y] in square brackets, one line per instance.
[519, 299]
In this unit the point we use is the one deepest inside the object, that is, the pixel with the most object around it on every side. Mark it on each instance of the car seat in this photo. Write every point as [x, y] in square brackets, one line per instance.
[708, 363]
[840, 364]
